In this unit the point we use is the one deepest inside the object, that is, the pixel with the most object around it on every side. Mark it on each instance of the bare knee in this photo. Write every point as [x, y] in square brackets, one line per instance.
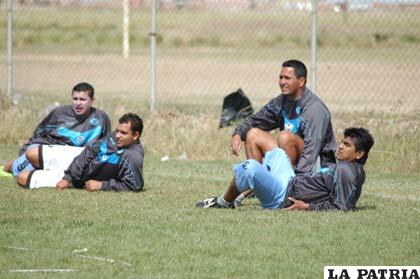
[286, 138]
[253, 135]
[22, 178]
[32, 155]
[292, 144]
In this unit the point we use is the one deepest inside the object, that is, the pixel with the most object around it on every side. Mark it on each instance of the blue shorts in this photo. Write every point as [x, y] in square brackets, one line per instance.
[22, 163]
[268, 180]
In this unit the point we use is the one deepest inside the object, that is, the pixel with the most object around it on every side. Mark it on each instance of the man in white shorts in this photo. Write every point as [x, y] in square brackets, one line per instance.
[113, 163]
[74, 125]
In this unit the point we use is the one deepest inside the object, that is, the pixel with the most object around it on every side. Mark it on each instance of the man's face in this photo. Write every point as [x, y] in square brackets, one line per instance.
[125, 136]
[82, 103]
[289, 84]
[346, 151]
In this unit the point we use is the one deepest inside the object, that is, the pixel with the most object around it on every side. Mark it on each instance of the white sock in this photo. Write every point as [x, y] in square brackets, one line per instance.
[221, 201]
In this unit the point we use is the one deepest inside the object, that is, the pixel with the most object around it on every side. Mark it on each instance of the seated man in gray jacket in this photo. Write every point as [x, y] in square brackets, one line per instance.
[113, 163]
[73, 125]
[303, 121]
[337, 187]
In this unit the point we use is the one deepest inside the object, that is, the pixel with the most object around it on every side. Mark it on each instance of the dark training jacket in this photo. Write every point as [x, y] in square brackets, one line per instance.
[335, 188]
[118, 169]
[306, 117]
[63, 127]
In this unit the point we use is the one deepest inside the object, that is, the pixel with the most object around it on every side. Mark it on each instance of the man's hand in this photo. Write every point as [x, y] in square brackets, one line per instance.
[236, 144]
[62, 184]
[93, 185]
[297, 205]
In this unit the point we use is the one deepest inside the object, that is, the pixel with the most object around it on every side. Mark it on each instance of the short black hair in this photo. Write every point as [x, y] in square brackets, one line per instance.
[134, 120]
[84, 87]
[362, 139]
[298, 66]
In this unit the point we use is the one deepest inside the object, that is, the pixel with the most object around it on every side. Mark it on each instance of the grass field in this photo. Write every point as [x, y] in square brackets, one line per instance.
[159, 233]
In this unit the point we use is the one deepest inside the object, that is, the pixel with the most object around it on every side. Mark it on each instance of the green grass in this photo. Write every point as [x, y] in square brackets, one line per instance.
[159, 234]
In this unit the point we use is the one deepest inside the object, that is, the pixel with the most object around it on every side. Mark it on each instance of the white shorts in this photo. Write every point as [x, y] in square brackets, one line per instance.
[54, 160]
[58, 157]
[44, 178]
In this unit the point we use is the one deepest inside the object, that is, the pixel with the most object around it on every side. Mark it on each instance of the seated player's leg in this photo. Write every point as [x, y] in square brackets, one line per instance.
[57, 157]
[32, 154]
[289, 142]
[22, 178]
[292, 144]
[20, 164]
[40, 178]
[259, 142]
[223, 201]
[268, 180]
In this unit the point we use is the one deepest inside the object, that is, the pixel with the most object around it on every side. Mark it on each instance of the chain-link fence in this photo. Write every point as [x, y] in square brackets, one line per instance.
[368, 50]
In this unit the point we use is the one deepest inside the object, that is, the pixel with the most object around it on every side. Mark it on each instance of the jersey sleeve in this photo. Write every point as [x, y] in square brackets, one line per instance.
[266, 119]
[130, 176]
[344, 193]
[47, 124]
[315, 127]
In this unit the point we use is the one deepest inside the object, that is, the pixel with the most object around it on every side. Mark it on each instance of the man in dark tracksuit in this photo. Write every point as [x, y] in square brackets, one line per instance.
[337, 187]
[276, 185]
[301, 117]
[306, 117]
[73, 125]
[299, 112]
[113, 163]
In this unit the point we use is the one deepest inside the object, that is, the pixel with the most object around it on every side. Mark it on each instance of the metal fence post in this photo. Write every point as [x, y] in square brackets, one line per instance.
[314, 44]
[126, 32]
[9, 49]
[153, 47]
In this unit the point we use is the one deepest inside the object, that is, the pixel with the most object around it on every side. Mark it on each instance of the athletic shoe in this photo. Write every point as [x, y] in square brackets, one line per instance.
[4, 173]
[211, 202]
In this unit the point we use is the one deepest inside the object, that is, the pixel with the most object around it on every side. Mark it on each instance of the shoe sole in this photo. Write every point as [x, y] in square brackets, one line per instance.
[206, 203]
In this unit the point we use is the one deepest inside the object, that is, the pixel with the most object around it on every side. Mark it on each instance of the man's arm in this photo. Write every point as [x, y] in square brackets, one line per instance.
[314, 130]
[93, 185]
[266, 119]
[129, 178]
[297, 205]
[47, 124]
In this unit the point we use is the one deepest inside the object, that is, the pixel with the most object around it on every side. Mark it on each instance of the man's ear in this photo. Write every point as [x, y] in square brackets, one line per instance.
[360, 154]
[137, 135]
[301, 81]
